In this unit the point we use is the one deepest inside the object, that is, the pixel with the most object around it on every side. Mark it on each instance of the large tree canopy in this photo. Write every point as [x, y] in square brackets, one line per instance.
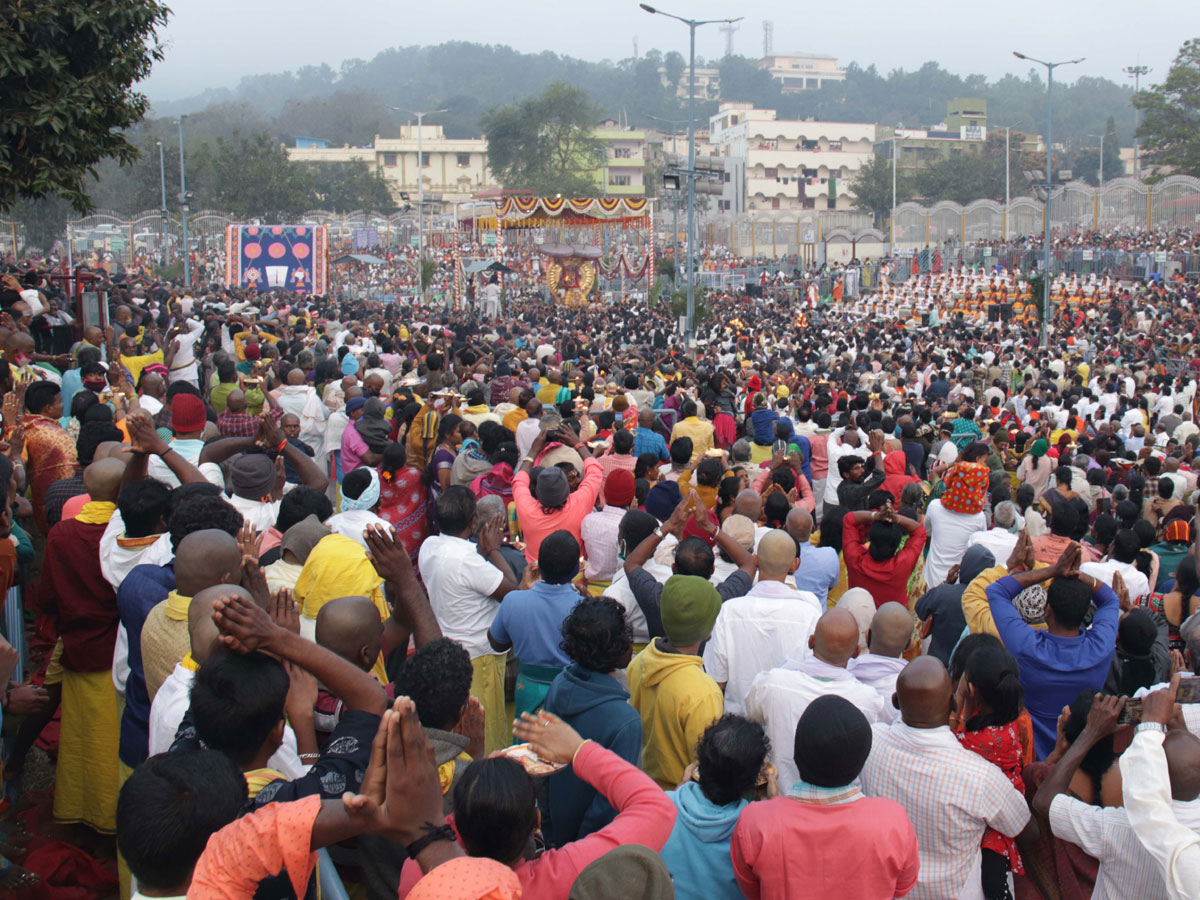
[544, 144]
[66, 73]
[1170, 130]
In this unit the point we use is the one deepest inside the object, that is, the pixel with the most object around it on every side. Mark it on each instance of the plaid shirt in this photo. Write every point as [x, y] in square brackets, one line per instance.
[647, 440]
[951, 796]
[59, 493]
[237, 424]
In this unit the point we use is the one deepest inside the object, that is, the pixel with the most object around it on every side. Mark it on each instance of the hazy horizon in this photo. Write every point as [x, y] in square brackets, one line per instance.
[204, 52]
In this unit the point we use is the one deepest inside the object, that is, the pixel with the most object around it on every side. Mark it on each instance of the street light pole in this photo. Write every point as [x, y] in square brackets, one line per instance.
[1100, 177]
[1050, 67]
[1136, 73]
[183, 209]
[692, 24]
[420, 187]
[892, 220]
[162, 174]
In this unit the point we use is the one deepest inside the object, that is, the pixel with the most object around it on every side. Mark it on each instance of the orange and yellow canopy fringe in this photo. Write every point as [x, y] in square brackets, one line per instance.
[540, 212]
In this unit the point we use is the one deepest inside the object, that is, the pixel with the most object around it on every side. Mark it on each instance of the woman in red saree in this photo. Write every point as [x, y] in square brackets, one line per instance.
[403, 499]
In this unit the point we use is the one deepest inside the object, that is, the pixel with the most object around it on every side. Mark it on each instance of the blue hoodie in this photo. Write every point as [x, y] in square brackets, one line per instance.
[596, 706]
[697, 853]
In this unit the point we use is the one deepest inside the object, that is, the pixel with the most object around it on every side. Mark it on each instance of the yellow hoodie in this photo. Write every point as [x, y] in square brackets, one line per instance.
[677, 700]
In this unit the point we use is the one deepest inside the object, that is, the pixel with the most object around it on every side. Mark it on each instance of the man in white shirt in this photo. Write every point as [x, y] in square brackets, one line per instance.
[760, 630]
[843, 442]
[185, 333]
[778, 698]
[173, 698]
[1158, 770]
[952, 796]
[528, 429]
[1002, 538]
[1121, 558]
[301, 400]
[1126, 869]
[889, 635]
[948, 535]
[465, 583]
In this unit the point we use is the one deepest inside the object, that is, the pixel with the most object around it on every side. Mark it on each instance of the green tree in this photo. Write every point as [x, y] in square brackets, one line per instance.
[545, 144]
[872, 188]
[1170, 130]
[344, 187]
[250, 177]
[675, 65]
[45, 220]
[66, 75]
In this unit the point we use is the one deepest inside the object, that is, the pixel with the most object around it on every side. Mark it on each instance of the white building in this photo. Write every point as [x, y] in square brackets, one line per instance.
[797, 72]
[452, 168]
[708, 82]
[791, 165]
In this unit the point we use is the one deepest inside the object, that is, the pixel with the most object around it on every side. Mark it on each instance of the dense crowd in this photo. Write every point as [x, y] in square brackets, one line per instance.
[867, 595]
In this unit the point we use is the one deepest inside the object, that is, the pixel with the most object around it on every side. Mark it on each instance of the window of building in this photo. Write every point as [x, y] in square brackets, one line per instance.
[464, 160]
[622, 153]
[389, 159]
[619, 180]
[809, 145]
[425, 160]
[835, 145]
[772, 172]
[831, 203]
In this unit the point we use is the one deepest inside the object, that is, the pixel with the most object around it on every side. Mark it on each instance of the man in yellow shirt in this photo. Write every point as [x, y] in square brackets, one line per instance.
[667, 683]
[701, 433]
[135, 362]
[516, 416]
[553, 392]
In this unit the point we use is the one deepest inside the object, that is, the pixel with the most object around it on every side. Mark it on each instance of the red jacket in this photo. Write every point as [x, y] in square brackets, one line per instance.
[886, 580]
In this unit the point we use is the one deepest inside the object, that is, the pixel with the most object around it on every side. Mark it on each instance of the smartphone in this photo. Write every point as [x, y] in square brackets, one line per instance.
[1189, 692]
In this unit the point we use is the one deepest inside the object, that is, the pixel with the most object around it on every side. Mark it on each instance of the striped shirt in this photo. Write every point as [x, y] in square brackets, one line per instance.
[951, 796]
[1126, 868]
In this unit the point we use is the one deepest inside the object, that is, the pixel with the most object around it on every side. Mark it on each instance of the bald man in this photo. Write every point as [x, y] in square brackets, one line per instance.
[888, 637]
[749, 503]
[171, 701]
[778, 698]
[351, 628]
[762, 629]
[820, 568]
[204, 558]
[84, 607]
[299, 399]
[646, 439]
[951, 795]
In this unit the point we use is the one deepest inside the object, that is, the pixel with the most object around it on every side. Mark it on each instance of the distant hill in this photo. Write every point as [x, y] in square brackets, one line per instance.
[350, 104]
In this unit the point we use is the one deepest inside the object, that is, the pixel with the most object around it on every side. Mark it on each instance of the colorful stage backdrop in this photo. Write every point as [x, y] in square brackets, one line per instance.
[277, 257]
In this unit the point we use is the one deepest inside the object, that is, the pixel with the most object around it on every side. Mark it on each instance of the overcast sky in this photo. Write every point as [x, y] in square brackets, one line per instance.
[213, 43]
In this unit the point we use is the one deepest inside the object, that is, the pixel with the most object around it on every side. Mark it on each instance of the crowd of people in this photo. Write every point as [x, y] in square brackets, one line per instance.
[865, 597]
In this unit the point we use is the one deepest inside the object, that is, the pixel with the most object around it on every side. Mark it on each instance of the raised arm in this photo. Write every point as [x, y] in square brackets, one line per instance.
[246, 627]
[146, 442]
[1101, 722]
[411, 613]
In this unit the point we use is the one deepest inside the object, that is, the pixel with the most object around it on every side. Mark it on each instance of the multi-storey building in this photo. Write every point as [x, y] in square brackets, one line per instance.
[791, 165]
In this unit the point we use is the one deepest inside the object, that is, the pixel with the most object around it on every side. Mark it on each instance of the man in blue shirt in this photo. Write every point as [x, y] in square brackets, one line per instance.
[646, 439]
[530, 622]
[820, 568]
[1065, 659]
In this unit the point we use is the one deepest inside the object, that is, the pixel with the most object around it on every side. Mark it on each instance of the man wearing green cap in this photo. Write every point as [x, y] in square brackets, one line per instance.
[667, 682]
